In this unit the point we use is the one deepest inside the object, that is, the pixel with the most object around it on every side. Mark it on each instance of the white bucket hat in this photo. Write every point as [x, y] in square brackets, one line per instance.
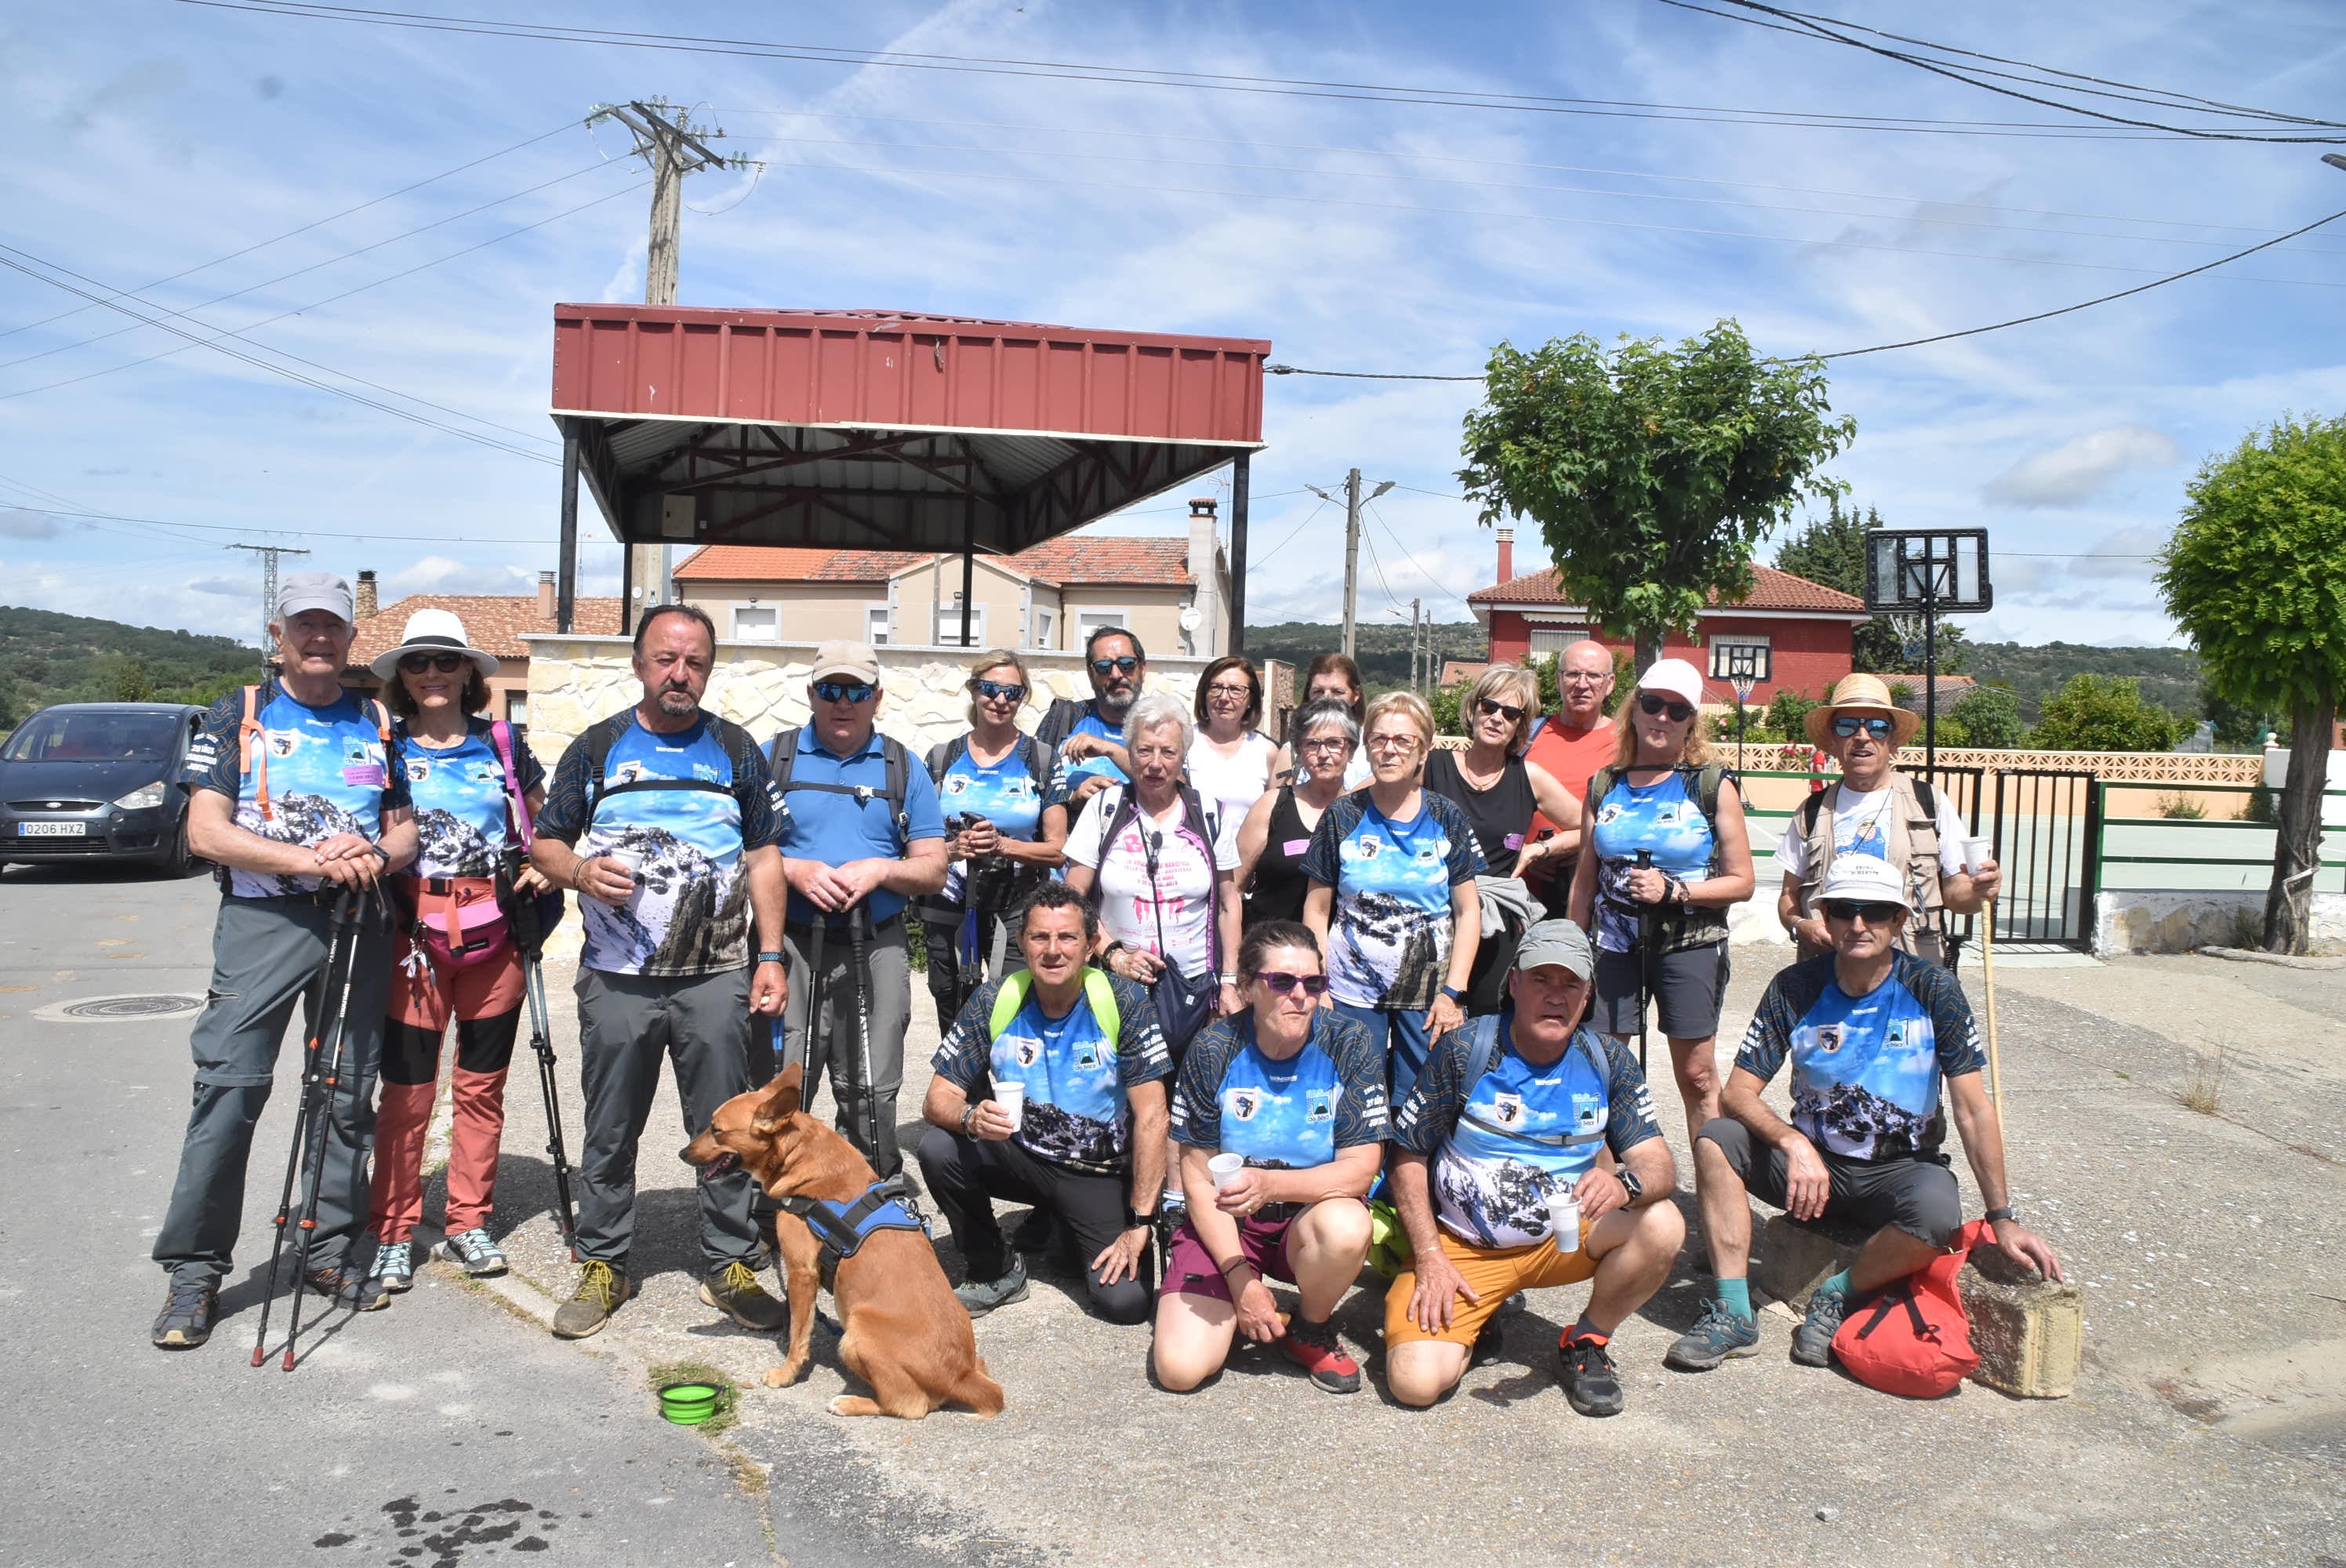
[433, 631]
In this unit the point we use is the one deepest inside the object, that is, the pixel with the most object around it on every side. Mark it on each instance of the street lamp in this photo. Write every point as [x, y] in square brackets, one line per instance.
[1746, 666]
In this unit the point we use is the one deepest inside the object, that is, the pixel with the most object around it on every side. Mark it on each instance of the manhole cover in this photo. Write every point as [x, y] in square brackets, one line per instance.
[120, 1009]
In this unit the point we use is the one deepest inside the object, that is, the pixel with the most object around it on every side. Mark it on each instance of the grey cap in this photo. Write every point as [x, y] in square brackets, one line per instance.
[1557, 942]
[313, 591]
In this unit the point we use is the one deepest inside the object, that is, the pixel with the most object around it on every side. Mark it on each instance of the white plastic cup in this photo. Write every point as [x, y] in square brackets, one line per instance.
[1975, 855]
[1226, 1169]
[631, 859]
[1012, 1098]
[1563, 1218]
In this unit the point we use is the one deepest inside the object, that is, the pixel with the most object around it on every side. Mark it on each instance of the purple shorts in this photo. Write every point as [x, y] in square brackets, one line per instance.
[1189, 1269]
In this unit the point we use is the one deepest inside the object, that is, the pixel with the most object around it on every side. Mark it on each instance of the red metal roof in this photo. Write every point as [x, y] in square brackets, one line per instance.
[1158, 562]
[1771, 590]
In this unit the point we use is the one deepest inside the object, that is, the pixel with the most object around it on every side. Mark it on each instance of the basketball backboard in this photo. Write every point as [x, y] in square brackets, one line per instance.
[1938, 571]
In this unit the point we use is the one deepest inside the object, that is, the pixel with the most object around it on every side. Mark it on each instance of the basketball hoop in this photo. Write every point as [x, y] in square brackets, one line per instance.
[1746, 666]
[1930, 572]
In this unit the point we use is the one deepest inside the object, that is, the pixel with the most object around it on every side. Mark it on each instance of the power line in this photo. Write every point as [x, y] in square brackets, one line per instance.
[1222, 82]
[1291, 538]
[304, 533]
[304, 228]
[1407, 554]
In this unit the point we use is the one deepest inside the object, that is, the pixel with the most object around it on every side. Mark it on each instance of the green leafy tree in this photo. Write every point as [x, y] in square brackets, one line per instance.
[2256, 576]
[1653, 472]
[1786, 715]
[1989, 716]
[1831, 550]
[2104, 713]
[132, 683]
[1446, 704]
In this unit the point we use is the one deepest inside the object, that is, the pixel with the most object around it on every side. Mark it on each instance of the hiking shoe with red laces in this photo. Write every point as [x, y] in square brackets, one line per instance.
[1315, 1348]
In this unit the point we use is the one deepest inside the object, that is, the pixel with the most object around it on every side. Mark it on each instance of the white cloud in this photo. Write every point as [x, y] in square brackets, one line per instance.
[226, 587]
[19, 524]
[445, 574]
[2080, 468]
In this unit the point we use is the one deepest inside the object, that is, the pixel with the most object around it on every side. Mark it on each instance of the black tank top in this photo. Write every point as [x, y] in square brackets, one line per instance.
[1279, 884]
[1499, 815]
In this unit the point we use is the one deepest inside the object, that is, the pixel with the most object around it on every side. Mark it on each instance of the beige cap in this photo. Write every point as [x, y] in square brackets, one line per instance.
[840, 659]
[1861, 694]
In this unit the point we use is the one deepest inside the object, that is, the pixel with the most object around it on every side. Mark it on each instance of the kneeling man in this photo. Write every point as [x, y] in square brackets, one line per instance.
[1870, 1032]
[1080, 1053]
[1510, 1110]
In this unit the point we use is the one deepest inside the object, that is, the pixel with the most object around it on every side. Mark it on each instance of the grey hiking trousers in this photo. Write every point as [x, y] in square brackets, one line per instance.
[626, 1024]
[886, 982]
[265, 953]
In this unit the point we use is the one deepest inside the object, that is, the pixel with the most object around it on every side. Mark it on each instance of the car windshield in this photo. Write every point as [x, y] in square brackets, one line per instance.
[94, 736]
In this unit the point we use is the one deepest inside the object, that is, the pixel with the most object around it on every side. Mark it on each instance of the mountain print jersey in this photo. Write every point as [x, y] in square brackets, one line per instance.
[1067, 774]
[1491, 1190]
[1004, 794]
[1077, 1113]
[1865, 1069]
[690, 913]
[1389, 943]
[328, 774]
[1283, 1116]
[1665, 817]
[463, 820]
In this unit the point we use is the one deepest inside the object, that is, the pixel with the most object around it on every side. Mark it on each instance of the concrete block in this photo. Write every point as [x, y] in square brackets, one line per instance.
[2030, 1333]
[1790, 1258]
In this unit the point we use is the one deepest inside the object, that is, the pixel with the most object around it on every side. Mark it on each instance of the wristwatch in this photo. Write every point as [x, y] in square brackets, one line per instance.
[1453, 992]
[1135, 1220]
[2005, 1212]
[769, 958]
[1629, 1183]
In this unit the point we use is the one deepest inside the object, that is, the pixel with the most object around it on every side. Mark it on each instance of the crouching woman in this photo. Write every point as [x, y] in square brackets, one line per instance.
[1296, 1092]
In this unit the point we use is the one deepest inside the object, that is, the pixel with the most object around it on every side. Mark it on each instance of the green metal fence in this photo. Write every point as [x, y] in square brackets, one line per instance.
[2200, 853]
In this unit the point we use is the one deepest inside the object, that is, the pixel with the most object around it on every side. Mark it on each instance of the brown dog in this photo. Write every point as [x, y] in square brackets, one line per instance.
[905, 1334]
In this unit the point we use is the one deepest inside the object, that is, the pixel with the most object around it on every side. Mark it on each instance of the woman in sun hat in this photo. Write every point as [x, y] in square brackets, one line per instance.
[1876, 810]
[1661, 927]
[476, 790]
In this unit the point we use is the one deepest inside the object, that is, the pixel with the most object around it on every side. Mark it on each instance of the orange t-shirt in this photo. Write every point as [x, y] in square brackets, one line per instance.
[1571, 756]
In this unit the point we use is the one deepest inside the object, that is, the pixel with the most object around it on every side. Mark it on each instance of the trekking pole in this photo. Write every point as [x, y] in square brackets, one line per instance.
[869, 1098]
[541, 1041]
[319, 988]
[307, 1157]
[1644, 958]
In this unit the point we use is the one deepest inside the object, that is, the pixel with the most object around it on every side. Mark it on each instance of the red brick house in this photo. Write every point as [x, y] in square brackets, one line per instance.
[1807, 630]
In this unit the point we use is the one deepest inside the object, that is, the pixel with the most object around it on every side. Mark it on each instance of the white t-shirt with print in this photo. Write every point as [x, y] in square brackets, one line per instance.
[1861, 826]
[1182, 894]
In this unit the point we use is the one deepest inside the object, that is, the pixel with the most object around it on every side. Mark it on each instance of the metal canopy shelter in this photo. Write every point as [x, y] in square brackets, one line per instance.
[887, 431]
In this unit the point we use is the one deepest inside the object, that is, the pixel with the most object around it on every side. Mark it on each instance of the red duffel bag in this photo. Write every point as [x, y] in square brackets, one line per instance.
[1913, 1338]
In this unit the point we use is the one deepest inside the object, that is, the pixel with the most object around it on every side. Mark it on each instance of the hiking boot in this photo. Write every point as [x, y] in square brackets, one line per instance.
[1315, 1348]
[475, 1253]
[1719, 1333]
[1812, 1341]
[395, 1267]
[186, 1318]
[734, 1290]
[1585, 1368]
[983, 1296]
[346, 1287]
[601, 1289]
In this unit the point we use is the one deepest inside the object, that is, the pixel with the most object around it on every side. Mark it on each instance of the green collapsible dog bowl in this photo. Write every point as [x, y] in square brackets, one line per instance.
[689, 1404]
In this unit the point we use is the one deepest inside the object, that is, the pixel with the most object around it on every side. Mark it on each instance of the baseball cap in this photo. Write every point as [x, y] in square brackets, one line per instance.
[313, 591]
[841, 659]
[1863, 879]
[1674, 676]
[1557, 942]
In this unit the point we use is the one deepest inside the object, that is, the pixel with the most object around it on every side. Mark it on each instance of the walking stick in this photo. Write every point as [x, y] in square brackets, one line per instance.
[1645, 959]
[532, 937]
[322, 1074]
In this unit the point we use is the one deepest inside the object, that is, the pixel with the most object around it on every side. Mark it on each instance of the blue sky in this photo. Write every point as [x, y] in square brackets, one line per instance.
[154, 137]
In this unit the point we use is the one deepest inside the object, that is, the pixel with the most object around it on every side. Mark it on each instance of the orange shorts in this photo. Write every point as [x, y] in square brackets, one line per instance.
[1493, 1276]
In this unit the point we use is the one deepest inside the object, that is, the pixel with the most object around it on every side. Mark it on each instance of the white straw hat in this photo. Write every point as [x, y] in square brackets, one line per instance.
[433, 631]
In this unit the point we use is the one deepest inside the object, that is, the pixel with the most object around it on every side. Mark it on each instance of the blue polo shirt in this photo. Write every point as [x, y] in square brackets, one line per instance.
[826, 825]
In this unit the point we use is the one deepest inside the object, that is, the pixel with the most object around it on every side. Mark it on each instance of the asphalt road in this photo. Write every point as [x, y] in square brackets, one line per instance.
[444, 1430]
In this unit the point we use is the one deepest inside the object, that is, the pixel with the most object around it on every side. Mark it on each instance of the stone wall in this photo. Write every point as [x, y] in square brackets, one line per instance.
[577, 680]
[2152, 920]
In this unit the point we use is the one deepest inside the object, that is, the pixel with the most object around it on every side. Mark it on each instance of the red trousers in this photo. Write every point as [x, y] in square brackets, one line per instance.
[485, 1002]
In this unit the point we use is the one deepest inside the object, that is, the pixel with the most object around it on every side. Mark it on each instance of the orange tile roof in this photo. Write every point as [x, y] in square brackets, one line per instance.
[494, 622]
[1771, 590]
[1077, 559]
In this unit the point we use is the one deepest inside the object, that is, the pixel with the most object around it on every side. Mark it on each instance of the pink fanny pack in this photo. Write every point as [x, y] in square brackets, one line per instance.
[458, 920]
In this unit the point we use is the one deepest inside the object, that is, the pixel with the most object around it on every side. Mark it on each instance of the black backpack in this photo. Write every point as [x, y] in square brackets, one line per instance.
[781, 758]
[731, 735]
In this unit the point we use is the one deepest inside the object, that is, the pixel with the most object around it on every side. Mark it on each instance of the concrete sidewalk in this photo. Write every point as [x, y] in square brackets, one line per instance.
[2209, 1426]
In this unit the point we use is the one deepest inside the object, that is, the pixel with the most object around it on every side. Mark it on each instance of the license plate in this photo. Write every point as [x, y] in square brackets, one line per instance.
[51, 830]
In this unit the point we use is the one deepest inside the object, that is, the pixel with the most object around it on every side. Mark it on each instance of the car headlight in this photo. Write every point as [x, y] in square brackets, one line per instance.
[143, 797]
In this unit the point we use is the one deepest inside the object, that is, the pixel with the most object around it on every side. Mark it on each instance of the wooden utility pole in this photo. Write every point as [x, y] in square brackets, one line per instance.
[1416, 647]
[668, 141]
[1352, 499]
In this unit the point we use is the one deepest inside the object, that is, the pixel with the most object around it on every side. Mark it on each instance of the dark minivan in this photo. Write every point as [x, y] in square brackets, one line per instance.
[98, 781]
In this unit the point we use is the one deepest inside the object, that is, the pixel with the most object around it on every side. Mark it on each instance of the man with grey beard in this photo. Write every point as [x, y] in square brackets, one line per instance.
[1089, 737]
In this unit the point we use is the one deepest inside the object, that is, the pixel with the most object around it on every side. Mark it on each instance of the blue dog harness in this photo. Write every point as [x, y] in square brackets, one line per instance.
[841, 1228]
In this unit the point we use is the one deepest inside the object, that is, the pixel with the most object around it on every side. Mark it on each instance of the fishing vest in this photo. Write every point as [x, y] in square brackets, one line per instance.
[1909, 839]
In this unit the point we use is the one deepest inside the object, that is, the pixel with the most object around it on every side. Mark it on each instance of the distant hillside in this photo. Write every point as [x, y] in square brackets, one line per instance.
[47, 657]
[1382, 648]
[2168, 676]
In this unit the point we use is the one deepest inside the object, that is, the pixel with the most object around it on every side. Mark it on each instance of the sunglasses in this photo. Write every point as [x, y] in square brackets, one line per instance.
[1486, 706]
[1850, 726]
[844, 691]
[1285, 984]
[1000, 688]
[446, 663]
[1125, 665]
[1850, 908]
[1655, 706]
